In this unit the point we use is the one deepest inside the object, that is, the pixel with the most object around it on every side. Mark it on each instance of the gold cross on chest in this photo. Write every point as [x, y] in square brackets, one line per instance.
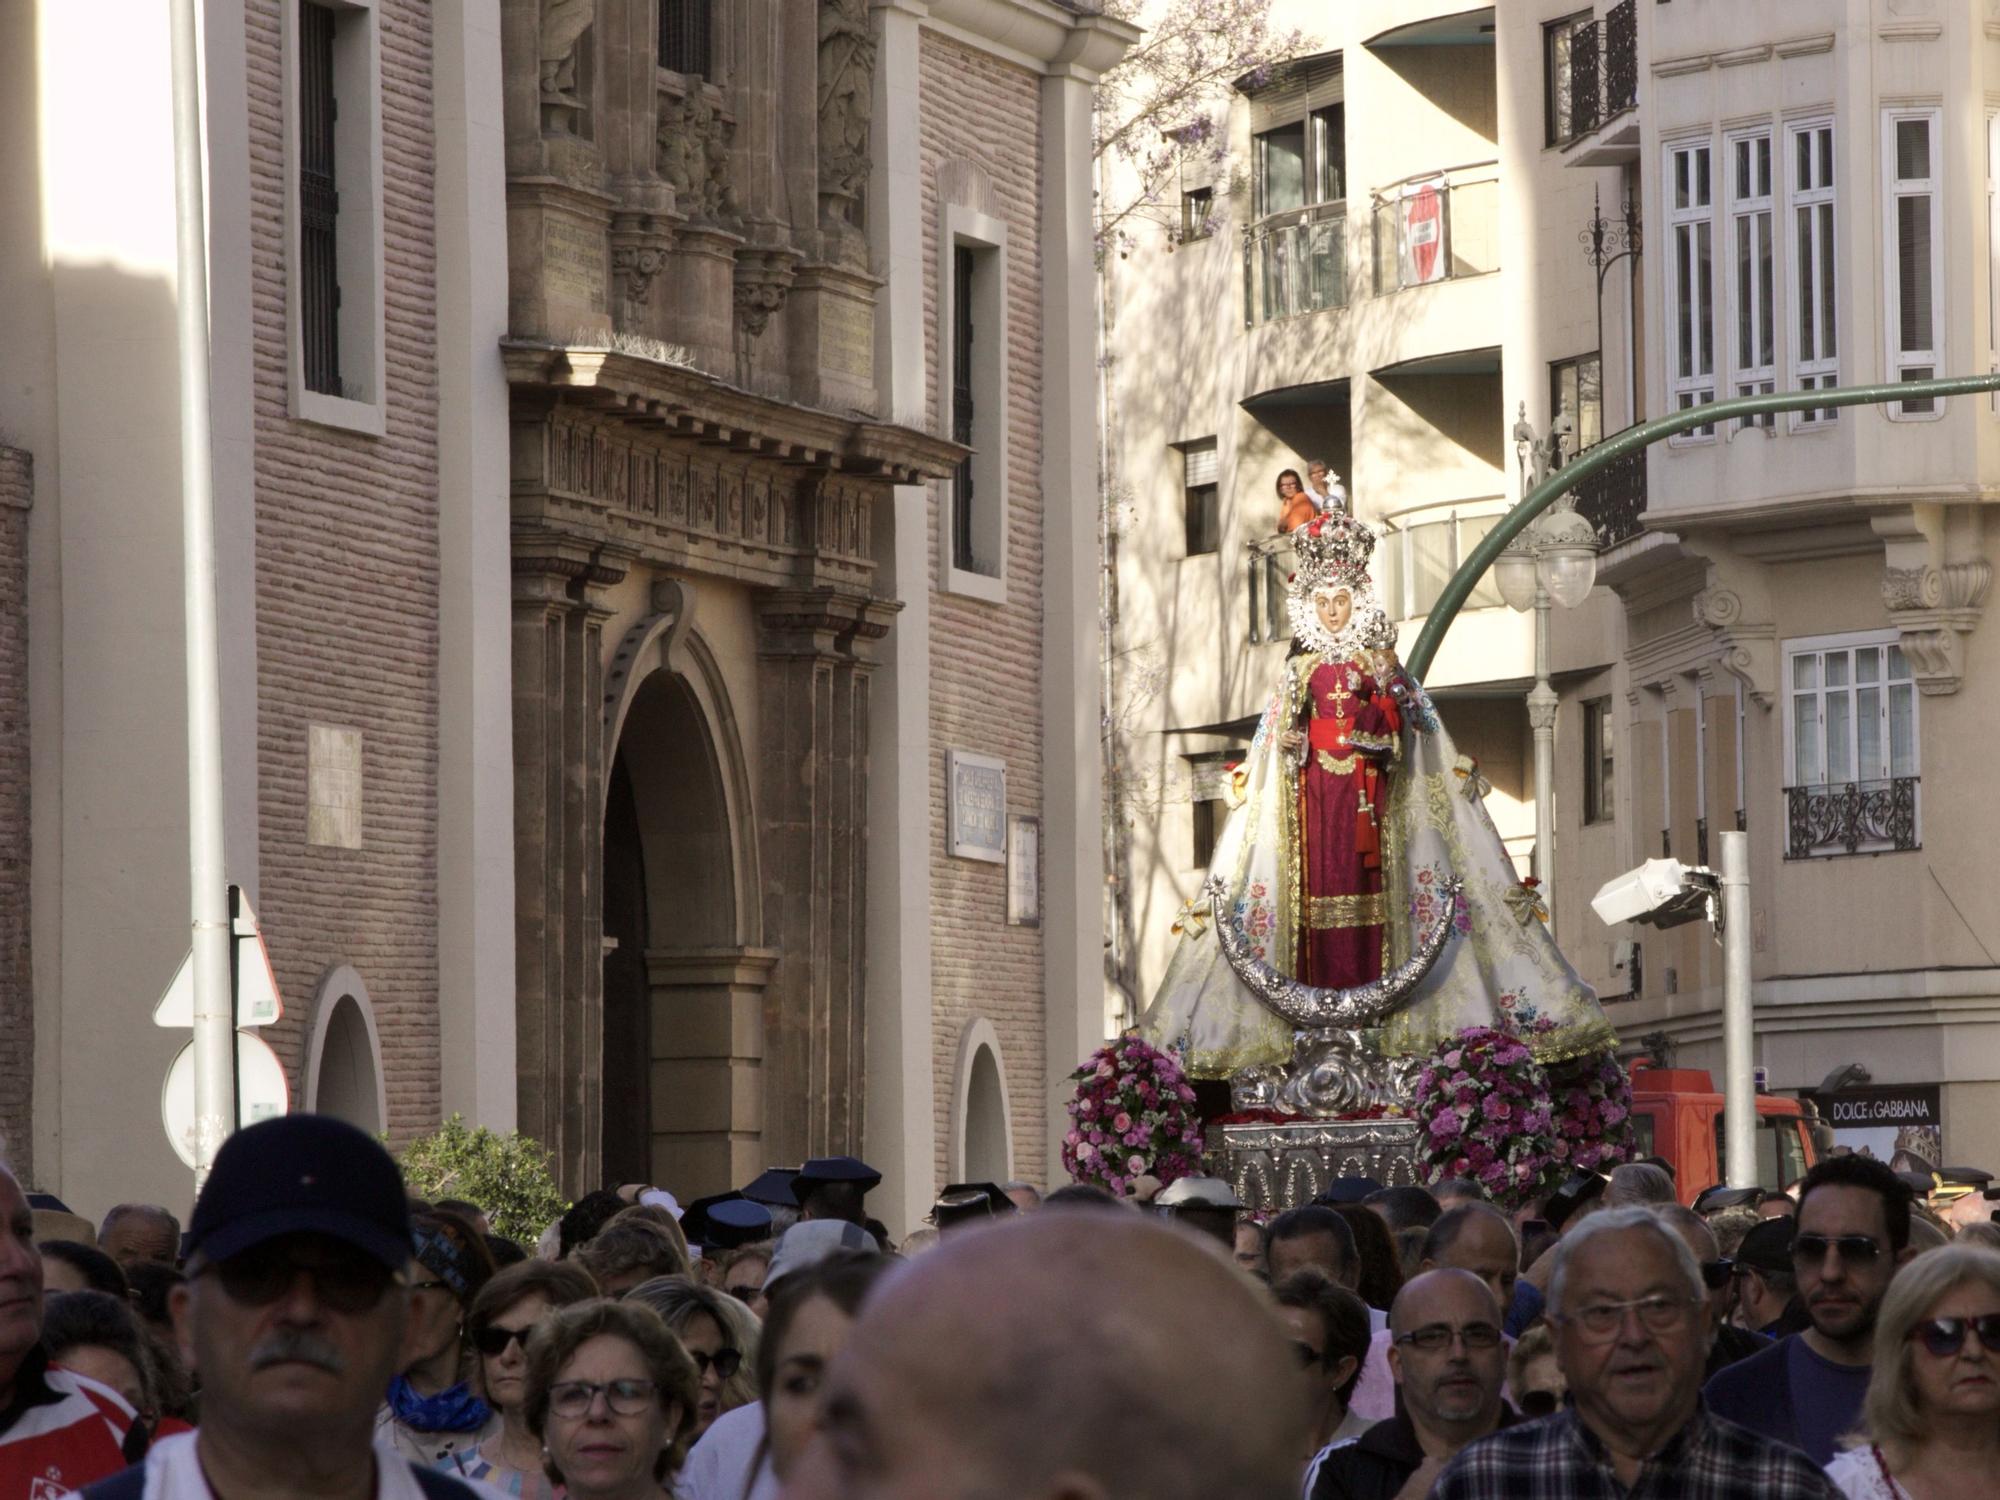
[1340, 697]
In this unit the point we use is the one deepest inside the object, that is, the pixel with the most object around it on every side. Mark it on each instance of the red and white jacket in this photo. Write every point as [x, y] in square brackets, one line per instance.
[59, 1433]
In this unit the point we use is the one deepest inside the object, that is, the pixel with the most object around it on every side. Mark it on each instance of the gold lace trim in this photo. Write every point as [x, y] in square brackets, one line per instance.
[1332, 913]
[1342, 767]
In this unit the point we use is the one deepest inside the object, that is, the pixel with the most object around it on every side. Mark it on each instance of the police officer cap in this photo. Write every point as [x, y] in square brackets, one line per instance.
[963, 1202]
[1348, 1190]
[772, 1187]
[1711, 1200]
[724, 1221]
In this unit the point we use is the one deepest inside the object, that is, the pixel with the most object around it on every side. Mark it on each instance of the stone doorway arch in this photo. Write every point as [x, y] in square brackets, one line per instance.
[682, 1035]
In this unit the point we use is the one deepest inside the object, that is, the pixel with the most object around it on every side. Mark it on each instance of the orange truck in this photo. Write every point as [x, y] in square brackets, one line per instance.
[1677, 1116]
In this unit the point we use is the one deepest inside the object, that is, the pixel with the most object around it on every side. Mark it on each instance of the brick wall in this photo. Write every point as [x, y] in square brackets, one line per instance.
[985, 658]
[347, 598]
[17, 1001]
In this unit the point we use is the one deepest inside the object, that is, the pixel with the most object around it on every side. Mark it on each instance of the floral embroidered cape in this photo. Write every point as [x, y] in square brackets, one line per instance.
[1501, 968]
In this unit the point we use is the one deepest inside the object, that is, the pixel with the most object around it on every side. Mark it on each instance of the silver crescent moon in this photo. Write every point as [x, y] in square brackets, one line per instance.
[1309, 1006]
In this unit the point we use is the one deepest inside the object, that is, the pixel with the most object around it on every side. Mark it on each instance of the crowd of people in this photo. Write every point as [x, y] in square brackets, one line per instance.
[316, 1331]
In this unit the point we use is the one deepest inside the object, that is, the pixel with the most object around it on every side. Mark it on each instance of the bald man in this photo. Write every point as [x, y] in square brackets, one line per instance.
[1051, 1356]
[1449, 1363]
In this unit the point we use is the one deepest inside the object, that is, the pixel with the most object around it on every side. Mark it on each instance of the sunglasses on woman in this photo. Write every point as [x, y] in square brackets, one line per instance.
[1944, 1337]
[726, 1361]
[493, 1342]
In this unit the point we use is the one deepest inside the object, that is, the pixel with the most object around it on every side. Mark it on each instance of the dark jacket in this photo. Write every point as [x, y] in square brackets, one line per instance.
[1731, 1344]
[1377, 1464]
[1757, 1393]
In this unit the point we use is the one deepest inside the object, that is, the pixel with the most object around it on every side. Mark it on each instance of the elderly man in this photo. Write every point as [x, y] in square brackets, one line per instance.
[1050, 1356]
[135, 1232]
[1630, 1312]
[1449, 1363]
[1473, 1237]
[56, 1432]
[295, 1309]
[1853, 1233]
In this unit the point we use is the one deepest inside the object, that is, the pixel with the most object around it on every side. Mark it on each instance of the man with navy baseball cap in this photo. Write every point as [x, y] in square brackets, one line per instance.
[295, 1306]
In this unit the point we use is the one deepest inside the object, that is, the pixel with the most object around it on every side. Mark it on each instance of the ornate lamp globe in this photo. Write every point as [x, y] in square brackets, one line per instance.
[1567, 557]
[1514, 572]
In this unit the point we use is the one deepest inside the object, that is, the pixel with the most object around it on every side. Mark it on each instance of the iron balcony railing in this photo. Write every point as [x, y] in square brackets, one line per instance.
[1603, 79]
[1436, 226]
[1295, 262]
[1855, 817]
[1614, 498]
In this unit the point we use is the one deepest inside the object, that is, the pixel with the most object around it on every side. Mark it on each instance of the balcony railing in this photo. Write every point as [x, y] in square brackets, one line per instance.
[1270, 564]
[1858, 817]
[1603, 79]
[1295, 262]
[1614, 498]
[1436, 227]
[1421, 549]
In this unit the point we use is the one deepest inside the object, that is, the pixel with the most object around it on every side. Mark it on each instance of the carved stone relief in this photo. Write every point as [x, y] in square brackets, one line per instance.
[1935, 584]
[563, 24]
[846, 89]
[691, 142]
[1746, 651]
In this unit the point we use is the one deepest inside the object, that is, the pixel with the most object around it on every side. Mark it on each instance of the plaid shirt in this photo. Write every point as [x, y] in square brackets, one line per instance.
[1559, 1458]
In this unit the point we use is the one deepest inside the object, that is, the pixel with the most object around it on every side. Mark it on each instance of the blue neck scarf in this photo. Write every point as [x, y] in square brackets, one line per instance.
[452, 1410]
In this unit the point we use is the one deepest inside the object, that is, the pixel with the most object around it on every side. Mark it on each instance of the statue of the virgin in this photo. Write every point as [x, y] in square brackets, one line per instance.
[1360, 898]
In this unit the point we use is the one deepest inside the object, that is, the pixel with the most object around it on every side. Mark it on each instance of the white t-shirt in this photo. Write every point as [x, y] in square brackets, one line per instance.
[1858, 1475]
[718, 1465]
[173, 1472]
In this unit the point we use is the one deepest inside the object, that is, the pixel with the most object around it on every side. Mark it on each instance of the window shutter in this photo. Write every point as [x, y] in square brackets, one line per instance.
[1295, 90]
[1202, 464]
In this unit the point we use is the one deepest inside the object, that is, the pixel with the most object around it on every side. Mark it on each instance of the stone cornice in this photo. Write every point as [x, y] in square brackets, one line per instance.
[1052, 38]
[680, 399]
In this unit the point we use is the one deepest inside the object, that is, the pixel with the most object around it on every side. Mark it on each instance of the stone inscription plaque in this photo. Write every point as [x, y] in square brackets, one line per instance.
[847, 337]
[573, 260]
[333, 786]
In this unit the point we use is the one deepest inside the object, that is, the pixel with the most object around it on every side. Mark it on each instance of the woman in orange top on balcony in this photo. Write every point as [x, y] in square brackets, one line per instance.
[1295, 506]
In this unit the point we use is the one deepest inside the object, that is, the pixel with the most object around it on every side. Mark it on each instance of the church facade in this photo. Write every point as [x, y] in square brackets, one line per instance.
[655, 500]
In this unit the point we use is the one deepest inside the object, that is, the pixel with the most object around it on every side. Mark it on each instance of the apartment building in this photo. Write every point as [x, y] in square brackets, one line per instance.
[1787, 633]
[1337, 286]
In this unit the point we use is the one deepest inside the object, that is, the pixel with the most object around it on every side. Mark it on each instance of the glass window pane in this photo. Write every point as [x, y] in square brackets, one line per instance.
[1589, 402]
[1802, 175]
[1868, 664]
[1765, 345]
[1805, 255]
[1899, 665]
[1283, 155]
[1471, 532]
[1762, 179]
[1827, 345]
[1743, 170]
[1839, 737]
[1913, 272]
[1836, 669]
[1702, 196]
[1902, 731]
[1684, 283]
[1868, 733]
[1805, 739]
[1913, 150]
[1805, 671]
[1746, 308]
[1705, 298]
[1680, 179]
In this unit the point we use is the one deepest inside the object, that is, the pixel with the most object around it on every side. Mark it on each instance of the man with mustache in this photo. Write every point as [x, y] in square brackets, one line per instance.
[56, 1429]
[1631, 1316]
[1853, 1232]
[1449, 1362]
[295, 1307]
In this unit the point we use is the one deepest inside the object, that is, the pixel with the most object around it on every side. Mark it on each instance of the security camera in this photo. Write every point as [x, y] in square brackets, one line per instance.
[1661, 893]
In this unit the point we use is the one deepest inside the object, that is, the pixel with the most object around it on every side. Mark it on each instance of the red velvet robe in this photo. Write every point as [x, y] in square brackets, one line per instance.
[1352, 727]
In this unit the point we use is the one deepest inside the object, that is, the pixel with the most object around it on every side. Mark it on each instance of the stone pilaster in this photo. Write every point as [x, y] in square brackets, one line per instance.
[815, 667]
[558, 840]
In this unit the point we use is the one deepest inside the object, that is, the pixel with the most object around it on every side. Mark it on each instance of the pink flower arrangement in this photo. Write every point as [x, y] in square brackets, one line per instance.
[1593, 1110]
[1483, 1107]
[1490, 1112]
[1132, 1116]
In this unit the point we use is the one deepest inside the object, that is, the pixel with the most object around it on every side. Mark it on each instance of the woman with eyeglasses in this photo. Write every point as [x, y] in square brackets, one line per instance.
[507, 1310]
[720, 1334]
[432, 1411]
[1930, 1425]
[609, 1393]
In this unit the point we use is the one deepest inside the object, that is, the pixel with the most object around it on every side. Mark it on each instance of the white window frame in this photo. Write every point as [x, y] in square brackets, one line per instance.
[358, 174]
[1698, 386]
[1884, 768]
[1822, 369]
[1897, 362]
[965, 228]
[1751, 379]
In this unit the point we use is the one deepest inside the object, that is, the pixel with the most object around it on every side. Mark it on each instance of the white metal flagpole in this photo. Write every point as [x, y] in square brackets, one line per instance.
[214, 1003]
[1739, 1083]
